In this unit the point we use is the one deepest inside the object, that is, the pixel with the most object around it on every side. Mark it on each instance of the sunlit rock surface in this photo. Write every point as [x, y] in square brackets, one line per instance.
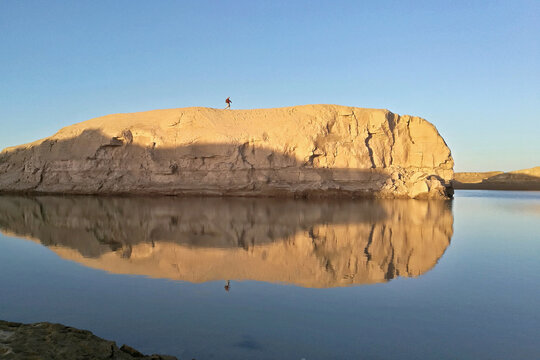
[306, 151]
[308, 243]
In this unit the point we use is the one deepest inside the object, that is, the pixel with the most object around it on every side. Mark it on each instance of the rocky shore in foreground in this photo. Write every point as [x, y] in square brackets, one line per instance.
[46, 341]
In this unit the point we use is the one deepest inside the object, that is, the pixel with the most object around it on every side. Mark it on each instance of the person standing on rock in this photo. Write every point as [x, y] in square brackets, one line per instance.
[228, 102]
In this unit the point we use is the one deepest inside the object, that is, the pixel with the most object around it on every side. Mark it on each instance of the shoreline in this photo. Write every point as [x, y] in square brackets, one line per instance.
[496, 187]
[53, 341]
[519, 180]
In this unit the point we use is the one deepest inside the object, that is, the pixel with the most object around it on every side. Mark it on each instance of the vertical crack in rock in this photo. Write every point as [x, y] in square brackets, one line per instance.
[356, 130]
[312, 157]
[41, 176]
[252, 185]
[391, 117]
[409, 131]
[370, 150]
[242, 153]
[357, 127]
[330, 125]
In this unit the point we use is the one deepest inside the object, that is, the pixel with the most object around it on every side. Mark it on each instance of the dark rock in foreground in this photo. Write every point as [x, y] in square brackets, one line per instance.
[55, 341]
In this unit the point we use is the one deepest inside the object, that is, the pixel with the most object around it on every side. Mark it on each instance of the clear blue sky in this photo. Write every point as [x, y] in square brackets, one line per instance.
[470, 67]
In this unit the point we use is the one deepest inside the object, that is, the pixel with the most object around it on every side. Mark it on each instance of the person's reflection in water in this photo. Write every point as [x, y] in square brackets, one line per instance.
[317, 244]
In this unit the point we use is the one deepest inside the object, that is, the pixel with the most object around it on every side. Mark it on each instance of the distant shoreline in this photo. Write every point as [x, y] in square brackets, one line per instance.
[502, 187]
[520, 180]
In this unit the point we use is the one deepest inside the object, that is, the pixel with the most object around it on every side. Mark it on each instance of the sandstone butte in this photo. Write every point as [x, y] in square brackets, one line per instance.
[301, 151]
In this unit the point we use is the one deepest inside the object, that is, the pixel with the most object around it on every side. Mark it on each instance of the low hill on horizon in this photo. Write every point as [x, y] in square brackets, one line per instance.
[525, 179]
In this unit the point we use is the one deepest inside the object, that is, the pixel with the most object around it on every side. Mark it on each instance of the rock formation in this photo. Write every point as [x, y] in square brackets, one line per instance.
[323, 243]
[302, 151]
[528, 179]
[46, 341]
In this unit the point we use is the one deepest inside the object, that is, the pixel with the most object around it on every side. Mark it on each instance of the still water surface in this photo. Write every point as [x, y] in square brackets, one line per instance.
[267, 279]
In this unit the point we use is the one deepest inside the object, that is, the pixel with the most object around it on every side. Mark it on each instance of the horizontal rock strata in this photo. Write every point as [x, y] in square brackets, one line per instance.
[319, 243]
[312, 150]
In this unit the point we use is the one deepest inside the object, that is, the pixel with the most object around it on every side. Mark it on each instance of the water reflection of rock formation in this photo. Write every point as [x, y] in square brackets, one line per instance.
[313, 244]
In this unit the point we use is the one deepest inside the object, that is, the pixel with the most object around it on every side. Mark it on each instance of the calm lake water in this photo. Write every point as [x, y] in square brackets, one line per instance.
[281, 279]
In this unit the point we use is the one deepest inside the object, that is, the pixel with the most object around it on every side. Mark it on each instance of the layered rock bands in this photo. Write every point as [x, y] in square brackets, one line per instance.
[302, 151]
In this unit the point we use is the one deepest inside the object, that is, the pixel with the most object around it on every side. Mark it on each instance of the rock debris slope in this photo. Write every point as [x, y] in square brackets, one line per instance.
[311, 150]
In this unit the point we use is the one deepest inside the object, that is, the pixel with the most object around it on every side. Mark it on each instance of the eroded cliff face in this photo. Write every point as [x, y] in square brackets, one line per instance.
[312, 150]
[307, 243]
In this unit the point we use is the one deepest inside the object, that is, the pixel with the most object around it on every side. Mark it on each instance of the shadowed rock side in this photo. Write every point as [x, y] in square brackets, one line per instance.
[528, 179]
[312, 150]
[308, 243]
[46, 341]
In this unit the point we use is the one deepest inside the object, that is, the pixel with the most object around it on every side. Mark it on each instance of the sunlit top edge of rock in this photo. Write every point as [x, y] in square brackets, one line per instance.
[372, 150]
[134, 118]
